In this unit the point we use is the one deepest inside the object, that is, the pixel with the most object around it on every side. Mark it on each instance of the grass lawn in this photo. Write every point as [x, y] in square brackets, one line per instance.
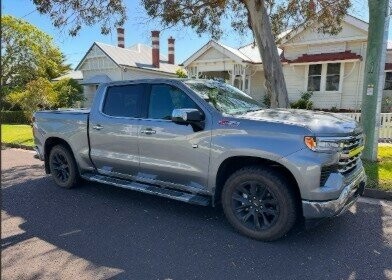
[380, 173]
[17, 134]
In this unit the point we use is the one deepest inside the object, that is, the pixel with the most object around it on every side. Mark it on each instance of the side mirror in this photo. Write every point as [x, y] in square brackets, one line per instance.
[187, 116]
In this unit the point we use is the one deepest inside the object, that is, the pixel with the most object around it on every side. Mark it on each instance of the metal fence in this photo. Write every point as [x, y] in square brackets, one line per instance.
[385, 127]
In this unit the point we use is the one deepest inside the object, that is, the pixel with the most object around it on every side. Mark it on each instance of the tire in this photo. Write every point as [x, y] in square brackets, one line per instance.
[259, 203]
[63, 167]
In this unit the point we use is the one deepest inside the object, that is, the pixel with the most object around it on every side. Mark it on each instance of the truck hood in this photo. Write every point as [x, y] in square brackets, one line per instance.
[320, 123]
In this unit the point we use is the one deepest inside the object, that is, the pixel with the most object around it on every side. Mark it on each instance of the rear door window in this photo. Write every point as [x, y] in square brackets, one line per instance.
[124, 101]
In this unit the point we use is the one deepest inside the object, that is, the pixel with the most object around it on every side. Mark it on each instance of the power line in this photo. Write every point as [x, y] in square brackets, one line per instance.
[29, 13]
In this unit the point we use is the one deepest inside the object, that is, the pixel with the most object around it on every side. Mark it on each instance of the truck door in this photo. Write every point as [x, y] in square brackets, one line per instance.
[113, 130]
[171, 154]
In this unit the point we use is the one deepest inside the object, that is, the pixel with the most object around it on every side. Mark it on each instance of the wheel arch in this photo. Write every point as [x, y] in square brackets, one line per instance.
[49, 144]
[234, 163]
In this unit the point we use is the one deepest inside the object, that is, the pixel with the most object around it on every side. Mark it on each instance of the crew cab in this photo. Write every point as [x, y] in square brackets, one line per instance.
[206, 142]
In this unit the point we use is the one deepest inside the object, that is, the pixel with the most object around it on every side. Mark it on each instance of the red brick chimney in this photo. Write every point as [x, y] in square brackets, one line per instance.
[120, 37]
[312, 6]
[171, 49]
[155, 48]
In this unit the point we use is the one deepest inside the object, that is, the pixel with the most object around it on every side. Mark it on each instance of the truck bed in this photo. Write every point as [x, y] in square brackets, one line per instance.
[70, 125]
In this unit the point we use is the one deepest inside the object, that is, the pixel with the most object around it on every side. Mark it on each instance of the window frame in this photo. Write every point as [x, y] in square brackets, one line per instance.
[141, 112]
[323, 80]
[385, 80]
[148, 98]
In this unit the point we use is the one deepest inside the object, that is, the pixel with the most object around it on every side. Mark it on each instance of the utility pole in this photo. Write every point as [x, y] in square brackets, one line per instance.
[374, 76]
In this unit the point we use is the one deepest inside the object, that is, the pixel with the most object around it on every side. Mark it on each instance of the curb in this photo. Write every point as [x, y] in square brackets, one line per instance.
[379, 194]
[18, 146]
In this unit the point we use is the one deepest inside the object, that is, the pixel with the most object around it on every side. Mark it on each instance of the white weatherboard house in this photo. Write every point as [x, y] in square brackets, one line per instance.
[331, 66]
[104, 63]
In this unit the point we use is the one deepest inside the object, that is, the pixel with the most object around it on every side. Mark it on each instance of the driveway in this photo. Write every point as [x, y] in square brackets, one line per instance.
[99, 232]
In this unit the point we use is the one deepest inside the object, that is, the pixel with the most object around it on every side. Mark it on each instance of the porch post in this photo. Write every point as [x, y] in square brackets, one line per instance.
[232, 76]
[243, 79]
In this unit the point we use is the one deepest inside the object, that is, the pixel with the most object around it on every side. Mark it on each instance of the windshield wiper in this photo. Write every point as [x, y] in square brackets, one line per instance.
[253, 110]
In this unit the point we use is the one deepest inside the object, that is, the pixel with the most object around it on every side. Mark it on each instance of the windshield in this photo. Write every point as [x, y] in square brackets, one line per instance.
[225, 98]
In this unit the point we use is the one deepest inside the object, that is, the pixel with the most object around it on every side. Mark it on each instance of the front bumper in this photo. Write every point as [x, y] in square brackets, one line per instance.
[325, 209]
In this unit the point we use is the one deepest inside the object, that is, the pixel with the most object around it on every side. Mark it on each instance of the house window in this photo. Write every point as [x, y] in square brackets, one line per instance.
[314, 77]
[324, 77]
[333, 77]
[388, 81]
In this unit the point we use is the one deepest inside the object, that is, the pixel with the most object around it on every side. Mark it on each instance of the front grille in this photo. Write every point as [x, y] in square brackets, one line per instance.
[348, 163]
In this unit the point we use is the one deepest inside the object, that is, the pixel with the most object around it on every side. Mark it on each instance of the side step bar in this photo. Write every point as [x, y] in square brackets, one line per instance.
[150, 189]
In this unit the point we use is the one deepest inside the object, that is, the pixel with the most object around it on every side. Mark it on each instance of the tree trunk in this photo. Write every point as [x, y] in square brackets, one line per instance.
[273, 72]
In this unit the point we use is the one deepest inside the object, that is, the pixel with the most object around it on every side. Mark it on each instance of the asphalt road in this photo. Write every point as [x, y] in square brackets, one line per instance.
[100, 232]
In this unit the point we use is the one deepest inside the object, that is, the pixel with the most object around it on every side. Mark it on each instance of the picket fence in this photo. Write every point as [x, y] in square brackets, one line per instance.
[385, 128]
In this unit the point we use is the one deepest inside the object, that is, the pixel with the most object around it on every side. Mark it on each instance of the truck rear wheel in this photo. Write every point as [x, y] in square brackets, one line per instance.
[63, 167]
[259, 204]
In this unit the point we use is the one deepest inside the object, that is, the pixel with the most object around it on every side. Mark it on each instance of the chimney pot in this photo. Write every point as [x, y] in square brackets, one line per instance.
[171, 41]
[120, 37]
[155, 48]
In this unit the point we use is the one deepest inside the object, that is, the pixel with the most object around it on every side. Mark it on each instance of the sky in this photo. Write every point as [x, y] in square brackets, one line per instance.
[137, 30]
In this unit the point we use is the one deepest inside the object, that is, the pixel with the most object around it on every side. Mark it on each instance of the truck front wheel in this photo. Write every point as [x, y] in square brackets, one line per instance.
[259, 203]
[63, 167]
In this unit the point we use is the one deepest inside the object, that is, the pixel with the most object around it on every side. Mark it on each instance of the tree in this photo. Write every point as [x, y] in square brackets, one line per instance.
[27, 53]
[266, 19]
[42, 94]
[38, 94]
[68, 92]
[75, 13]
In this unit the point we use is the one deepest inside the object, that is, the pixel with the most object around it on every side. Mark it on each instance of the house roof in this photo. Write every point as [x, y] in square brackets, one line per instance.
[252, 51]
[76, 75]
[97, 79]
[248, 53]
[354, 21]
[233, 53]
[337, 56]
[136, 56]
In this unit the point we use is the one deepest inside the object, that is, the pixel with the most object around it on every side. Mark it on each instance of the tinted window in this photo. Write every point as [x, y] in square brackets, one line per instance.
[124, 101]
[164, 99]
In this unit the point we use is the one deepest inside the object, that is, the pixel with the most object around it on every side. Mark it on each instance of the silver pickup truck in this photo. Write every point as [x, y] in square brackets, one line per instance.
[205, 142]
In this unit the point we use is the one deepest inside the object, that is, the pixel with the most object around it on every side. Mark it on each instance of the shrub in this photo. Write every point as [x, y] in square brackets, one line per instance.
[304, 102]
[181, 73]
[267, 100]
[386, 105]
[13, 117]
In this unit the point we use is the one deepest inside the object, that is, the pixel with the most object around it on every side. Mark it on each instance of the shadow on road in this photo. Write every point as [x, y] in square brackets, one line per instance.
[147, 237]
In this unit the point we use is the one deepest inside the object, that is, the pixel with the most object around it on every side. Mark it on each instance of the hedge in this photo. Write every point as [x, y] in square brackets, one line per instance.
[14, 117]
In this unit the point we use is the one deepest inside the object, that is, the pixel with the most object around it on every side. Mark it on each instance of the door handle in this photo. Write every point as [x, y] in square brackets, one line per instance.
[148, 131]
[97, 127]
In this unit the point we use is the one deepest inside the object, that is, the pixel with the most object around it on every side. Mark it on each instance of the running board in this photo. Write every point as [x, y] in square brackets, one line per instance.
[150, 189]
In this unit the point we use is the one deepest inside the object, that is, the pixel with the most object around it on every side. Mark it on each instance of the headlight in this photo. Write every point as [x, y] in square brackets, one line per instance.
[322, 145]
